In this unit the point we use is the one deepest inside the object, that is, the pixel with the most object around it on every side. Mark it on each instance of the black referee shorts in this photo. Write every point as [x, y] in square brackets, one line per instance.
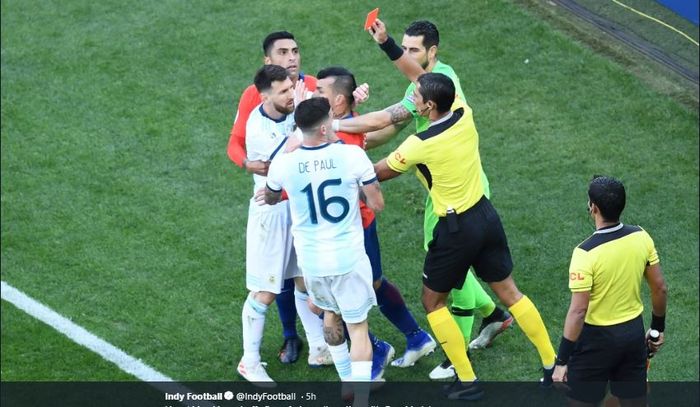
[615, 354]
[473, 238]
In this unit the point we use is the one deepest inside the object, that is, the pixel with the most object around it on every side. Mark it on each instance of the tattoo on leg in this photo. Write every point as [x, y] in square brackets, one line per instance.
[334, 335]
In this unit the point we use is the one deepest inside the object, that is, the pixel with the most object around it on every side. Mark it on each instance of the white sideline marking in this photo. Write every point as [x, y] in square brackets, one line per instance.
[82, 336]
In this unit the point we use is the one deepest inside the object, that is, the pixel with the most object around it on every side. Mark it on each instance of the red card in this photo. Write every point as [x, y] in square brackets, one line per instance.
[371, 18]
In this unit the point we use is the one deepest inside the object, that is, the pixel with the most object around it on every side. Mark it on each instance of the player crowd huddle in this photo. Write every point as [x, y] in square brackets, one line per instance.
[312, 245]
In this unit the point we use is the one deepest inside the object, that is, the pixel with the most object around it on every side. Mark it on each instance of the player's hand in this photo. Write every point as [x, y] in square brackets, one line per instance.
[259, 197]
[559, 376]
[257, 167]
[300, 92]
[293, 143]
[360, 94]
[378, 32]
[654, 346]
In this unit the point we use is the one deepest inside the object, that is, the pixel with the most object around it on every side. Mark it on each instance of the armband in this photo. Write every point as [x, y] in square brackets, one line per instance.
[392, 50]
[658, 323]
[566, 347]
[335, 125]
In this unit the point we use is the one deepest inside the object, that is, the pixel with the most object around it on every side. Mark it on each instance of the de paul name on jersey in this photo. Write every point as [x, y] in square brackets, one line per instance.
[316, 165]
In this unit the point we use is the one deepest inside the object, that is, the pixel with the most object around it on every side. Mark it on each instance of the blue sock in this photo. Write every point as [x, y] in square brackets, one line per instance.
[287, 309]
[392, 305]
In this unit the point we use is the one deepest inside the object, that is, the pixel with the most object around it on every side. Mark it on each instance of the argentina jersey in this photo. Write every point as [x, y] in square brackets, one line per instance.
[265, 138]
[323, 184]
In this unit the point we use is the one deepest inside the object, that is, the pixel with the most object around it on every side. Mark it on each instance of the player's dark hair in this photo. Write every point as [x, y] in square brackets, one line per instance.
[608, 194]
[428, 30]
[272, 37]
[268, 74]
[438, 88]
[311, 112]
[344, 83]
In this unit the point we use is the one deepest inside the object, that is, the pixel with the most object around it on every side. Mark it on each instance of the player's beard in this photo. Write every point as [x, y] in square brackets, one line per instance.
[424, 63]
[284, 109]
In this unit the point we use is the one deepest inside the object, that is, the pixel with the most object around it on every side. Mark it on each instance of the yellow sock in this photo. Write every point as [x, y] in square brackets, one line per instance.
[448, 334]
[530, 322]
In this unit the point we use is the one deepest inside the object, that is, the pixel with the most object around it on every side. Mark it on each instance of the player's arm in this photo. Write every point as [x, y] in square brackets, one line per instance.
[407, 65]
[384, 172]
[236, 143]
[373, 196]
[659, 294]
[373, 121]
[380, 137]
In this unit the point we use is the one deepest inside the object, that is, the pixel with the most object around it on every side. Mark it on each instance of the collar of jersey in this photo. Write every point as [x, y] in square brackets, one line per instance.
[442, 119]
[303, 147]
[610, 229]
[280, 120]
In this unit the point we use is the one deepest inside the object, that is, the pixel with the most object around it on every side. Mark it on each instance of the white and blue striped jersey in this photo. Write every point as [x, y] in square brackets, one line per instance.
[323, 186]
[265, 138]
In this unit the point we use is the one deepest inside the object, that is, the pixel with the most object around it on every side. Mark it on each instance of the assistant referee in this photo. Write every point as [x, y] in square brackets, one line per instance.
[604, 339]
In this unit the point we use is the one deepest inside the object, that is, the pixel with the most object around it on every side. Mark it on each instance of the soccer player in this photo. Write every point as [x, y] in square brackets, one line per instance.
[420, 42]
[323, 181]
[337, 84]
[270, 258]
[279, 48]
[468, 232]
[604, 337]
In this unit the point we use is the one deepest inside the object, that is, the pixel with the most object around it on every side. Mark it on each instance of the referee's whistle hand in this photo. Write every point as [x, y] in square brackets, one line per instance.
[655, 346]
[559, 374]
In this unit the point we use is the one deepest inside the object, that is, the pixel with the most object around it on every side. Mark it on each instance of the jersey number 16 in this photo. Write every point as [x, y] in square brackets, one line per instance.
[324, 202]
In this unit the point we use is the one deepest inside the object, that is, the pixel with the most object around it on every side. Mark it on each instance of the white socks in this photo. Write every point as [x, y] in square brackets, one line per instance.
[313, 325]
[361, 375]
[253, 319]
[341, 360]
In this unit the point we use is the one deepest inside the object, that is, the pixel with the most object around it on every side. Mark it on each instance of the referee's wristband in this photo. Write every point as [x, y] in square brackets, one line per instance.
[392, 50]
[658, 323]
[566, 347]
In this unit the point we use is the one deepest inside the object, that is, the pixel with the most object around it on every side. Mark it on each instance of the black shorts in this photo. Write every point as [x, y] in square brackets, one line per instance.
[473, 238]
[615, 354]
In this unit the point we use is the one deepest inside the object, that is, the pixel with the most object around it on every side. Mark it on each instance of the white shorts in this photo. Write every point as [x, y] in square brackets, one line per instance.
[270, 258]
[351, 294]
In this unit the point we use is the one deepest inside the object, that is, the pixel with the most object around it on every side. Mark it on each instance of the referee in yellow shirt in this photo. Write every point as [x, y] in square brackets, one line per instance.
[469, 231]
[604, 339]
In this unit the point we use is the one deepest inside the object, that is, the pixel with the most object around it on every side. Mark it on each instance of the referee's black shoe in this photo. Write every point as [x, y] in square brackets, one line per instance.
[460, 390]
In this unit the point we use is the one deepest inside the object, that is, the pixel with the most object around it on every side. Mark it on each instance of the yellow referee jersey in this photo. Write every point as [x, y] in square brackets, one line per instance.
[610, 264]
[446, 156]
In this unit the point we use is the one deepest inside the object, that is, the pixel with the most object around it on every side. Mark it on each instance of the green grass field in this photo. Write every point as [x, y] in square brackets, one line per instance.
[121, 210]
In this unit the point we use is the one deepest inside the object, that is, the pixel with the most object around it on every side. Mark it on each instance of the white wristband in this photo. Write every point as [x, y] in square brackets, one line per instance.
[335, 125]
